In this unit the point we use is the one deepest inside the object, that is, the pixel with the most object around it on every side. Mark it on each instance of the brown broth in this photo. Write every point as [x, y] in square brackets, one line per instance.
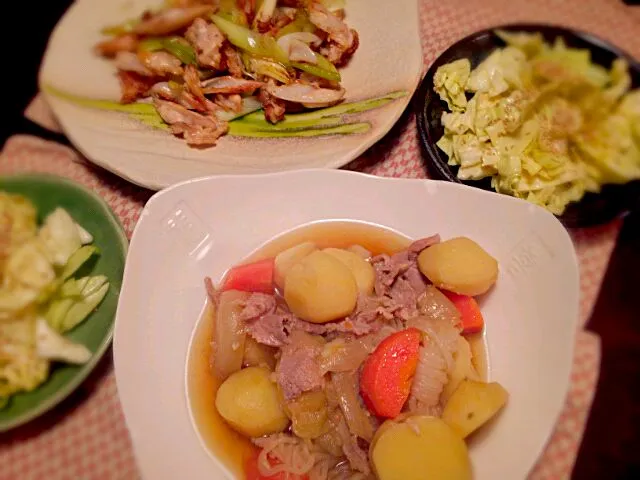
[337, 234]
[230, 447]
[479, 354]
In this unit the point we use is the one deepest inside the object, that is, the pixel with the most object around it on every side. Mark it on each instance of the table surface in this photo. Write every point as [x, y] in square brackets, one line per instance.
[612, 440]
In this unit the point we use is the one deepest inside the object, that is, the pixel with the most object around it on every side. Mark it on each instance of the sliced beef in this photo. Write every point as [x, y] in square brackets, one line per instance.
[272, 329]
[415, 279]
[399, 280]
[356, 455]
[298, 370]
[257, 305]
[416, 247]
[388, 268]
[403, 299]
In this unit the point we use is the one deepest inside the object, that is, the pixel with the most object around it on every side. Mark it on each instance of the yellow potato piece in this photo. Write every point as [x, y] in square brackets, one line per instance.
[459, 265]
[309, 414]
[320, 288]
[258, 354]
[288, 258]
[249, 401]
[360, 251]
[473, 404]
[418, 448]
[362, 270]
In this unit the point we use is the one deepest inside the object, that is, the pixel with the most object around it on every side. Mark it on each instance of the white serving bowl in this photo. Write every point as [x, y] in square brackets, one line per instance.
[201, 227]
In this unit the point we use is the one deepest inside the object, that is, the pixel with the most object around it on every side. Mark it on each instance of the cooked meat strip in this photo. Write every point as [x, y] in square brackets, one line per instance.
[197, 129]
[207, 40]
[171, 20]
[161, 63]
[274, 108]
[134, 86]
[122, 43]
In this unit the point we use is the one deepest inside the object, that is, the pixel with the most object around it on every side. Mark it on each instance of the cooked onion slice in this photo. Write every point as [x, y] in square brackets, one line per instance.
[308, 95]
[296, 46]
[228, 84]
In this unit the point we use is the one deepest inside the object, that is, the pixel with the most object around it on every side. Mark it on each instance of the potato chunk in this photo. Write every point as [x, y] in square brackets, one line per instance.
[473, 404]
[362, 270]
[419, 447]
[309, 414]
[288, 258]
[249, 401]
[320, 288]
[459, 265]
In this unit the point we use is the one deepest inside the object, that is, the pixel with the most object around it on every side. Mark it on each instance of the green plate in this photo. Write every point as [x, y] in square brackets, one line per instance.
[48, 192]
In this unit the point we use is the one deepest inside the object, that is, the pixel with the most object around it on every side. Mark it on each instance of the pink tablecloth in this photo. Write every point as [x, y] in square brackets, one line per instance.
[86, 436]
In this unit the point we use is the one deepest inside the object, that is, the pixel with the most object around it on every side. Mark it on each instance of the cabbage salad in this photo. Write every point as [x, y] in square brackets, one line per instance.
[542, 121]
[40, 297]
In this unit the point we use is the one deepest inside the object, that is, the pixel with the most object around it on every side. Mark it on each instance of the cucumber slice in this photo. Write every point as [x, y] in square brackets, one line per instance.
[81, 310]
[57, 311]
[73, 287]
[78, 259]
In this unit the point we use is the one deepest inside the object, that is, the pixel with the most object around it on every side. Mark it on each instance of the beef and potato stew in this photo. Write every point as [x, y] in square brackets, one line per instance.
[342, 357]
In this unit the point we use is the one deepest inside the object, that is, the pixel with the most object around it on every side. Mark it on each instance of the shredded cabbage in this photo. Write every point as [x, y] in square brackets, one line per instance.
[39, 299]
[60, 236]
[17, 224]
[544, 122]
[450, 81]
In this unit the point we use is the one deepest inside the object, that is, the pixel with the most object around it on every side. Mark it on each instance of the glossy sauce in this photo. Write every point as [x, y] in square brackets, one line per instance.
[232, 448]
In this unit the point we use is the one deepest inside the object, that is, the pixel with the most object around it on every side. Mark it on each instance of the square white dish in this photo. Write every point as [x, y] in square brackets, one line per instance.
[202, 227]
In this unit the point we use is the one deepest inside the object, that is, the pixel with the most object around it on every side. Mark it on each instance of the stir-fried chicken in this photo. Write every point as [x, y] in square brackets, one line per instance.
[229, 84]
[199, 64]
[197, 129]
[161, 63]
[343, 41]
[122, 43]
[230, 103]
[232, 60]
[130, 62]
[133, 85]
[274, 108]
[171, 20]
[207, 39]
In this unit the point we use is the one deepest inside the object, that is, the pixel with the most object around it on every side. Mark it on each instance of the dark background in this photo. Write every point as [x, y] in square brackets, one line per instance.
[611, 446]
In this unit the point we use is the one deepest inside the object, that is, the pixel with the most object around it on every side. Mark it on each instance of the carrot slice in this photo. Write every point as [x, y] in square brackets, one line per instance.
[470, 314]
[252, 277]
[387, 374]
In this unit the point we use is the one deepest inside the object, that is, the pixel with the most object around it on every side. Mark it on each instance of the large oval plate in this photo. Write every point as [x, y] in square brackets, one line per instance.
[47, 193]
[188, 232]
[389, 59]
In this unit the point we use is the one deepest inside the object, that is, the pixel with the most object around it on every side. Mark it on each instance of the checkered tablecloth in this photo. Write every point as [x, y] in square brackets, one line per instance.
[86, 438]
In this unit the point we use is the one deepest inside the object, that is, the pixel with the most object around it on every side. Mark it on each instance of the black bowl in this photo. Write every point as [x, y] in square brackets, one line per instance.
[593, 209]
